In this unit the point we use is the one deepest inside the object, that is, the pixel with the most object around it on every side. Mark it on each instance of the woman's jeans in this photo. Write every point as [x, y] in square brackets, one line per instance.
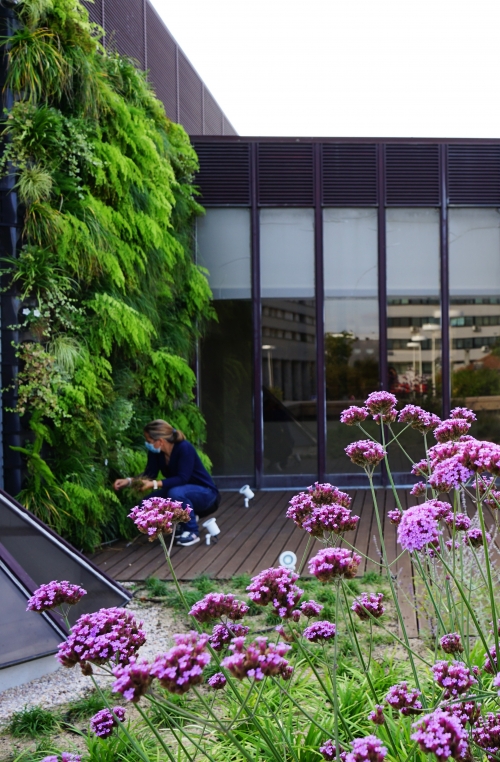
[200, 499]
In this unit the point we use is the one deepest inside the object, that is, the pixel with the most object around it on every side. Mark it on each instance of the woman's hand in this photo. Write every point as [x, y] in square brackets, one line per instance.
[121, 483]
[147, 484]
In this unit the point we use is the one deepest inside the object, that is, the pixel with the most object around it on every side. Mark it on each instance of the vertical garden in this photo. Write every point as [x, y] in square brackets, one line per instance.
[111, 301]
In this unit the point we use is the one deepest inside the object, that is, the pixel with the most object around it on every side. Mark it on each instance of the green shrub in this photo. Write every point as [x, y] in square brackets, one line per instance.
[33, 722]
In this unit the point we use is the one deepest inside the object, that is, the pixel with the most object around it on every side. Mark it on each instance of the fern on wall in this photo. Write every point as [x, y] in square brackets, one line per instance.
[112, 301]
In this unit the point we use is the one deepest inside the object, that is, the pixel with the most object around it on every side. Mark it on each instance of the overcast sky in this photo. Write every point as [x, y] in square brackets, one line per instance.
[352, 68]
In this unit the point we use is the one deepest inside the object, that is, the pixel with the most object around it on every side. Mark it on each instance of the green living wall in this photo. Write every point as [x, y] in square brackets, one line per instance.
[111, 301]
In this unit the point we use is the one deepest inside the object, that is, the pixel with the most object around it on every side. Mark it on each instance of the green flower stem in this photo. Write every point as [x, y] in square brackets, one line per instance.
[333, 677]
[176, 709]
[359, 552]
[172, 572]
[395, 438]
[386, 564]
[488, 572]
[304, 555]
[300, 707]
[287, 742]
[423, 576]
[161, 740]
[121, 725]
[244, 704]
[226, 732]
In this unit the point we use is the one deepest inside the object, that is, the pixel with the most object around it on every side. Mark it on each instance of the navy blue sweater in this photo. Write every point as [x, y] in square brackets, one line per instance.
[184, 467]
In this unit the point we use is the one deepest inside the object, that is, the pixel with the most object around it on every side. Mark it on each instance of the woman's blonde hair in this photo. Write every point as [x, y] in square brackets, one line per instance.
[160, 429]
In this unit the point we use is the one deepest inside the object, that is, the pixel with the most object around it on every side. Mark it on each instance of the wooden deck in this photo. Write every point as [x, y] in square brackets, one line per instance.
[253, 538]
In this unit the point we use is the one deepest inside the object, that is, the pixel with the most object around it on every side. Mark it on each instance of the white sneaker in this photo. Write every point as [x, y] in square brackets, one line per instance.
[188, 538]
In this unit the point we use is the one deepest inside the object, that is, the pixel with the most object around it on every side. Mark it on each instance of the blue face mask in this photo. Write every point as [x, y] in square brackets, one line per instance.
[151, 448]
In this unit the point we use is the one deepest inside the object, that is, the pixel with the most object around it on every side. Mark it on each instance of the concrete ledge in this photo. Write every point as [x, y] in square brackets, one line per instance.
[18, 674]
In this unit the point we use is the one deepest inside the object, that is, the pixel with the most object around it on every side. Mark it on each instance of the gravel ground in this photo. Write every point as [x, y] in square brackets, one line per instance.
[65, 684]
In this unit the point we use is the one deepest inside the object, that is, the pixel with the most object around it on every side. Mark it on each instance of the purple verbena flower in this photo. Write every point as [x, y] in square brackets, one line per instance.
[377, 715]
[465, 712]
[464, 413]
[449, 474]
[329, 563]
[319, 631]
[441, 734]
[223, 634]
[217, 605]
[395, 516]
[66, 756]
[329, 752]
[455, 678]
[102, 723]
[418, 489]
[311, 608]
[419, 418]
[488, 666]
[217, 681]
[157, 515]
[353, 415]
[368, 749]
[132, 680]
[404, 700]
[365, 453]
[451, 430]
[419, 527]
[106, 635]
[329, 518]
[318, 496]
[258, 660]
[474, 537]
[486, 735]
[182, 666]
[451, 643]
[368, 604]
[421, 468]
[380, 402]
[276, 586]
[461, 520]
[55, 594]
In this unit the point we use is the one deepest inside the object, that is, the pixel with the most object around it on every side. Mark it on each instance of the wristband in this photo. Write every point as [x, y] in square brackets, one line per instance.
[129, 480]
[155, 484]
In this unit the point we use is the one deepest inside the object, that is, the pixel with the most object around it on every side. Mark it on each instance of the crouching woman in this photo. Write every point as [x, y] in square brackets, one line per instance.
[185, 478]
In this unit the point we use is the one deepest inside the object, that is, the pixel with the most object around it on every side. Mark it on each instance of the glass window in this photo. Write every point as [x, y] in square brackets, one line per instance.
[414, 333]
[474, 242]
[223, 247]
[288, 341]
[287, 253]
[226, 389]
[351, 323]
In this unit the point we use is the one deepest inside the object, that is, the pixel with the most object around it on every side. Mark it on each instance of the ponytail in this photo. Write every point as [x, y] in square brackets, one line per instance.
[160, 429]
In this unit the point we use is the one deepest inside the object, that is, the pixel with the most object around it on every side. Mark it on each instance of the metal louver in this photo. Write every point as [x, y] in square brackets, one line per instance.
[349, 174]
[412, 175]
[285, 174]
[224, 176]
[125, 28]
[474, 175]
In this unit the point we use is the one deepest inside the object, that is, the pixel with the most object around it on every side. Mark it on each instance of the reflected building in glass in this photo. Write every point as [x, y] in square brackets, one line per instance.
[339, 268]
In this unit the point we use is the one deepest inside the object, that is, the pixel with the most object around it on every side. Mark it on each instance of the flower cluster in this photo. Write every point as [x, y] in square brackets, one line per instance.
[217, 681]
[132, 680]
[365, 453]
[486, 735]
[418, 489]
[441, 734]
[381, 403]
[276, 586]
[222, 635]
[395, 516]
[464, 413]
[329, 752]
[421, 468]
[182, 666]
[157, 516]
[102, 723]
[320, 631]
[449, 474]
[353, 415]
[451, 430]
[258, 660]
[368, 749]
[377, 715]
[488, 666]
[311, 608]
[107, 635]
[419, 527]
[368, 604]
[451, 643]
[66, 756]
[474, 537]
[329, 563]
[307, 509]
[455, 678]
[466, 711]
[404, 700]
[55, 594]
[217, 605]
[461, 521]
[418, 418]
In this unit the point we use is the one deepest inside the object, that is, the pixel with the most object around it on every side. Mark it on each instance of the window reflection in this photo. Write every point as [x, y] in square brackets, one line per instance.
[475, 315]
[289, 385]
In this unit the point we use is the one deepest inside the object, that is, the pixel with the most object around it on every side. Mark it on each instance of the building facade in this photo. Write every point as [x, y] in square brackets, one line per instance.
[339, 267]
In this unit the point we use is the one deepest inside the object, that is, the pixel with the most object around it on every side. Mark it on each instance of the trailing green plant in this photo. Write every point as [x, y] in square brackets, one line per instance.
[112, 302]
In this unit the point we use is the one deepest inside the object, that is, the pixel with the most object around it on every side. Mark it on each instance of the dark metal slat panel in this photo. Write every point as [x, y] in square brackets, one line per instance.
[125, 28]
[474, 175]
[349, 176]
[412, 175]
[285, 174]
[95, 11]
[190, 97]
[161, 61]
[224, 176]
